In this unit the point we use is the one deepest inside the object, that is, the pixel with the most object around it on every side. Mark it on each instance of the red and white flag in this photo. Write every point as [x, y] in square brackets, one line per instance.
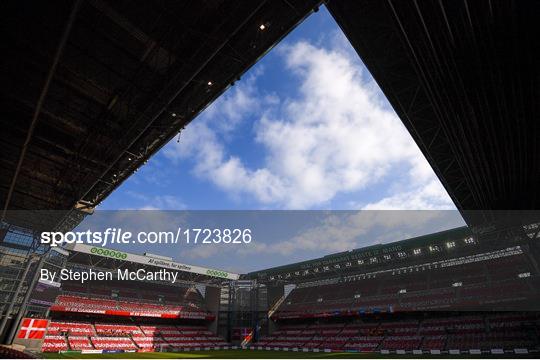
[33, 328]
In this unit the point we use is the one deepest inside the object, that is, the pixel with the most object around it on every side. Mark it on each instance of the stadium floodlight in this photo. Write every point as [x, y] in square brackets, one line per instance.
[469, 240]
[173, 114]
[262, 27]
[457, 284]
[210, 83]
[402, 254]
[417, 251]
[524, 275]
[434, 248]
[402, 291]
[450, 244]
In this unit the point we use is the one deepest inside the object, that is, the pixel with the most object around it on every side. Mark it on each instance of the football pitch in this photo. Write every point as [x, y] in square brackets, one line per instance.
[213, 354]
[246, 354]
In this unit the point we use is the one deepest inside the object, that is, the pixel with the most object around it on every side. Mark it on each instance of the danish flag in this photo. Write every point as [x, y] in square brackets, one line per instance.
[33, 328]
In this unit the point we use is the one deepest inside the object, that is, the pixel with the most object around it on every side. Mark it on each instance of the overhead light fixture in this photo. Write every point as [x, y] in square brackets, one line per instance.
[173, 114]
[210, 83]
[262, 27]
[469, 240]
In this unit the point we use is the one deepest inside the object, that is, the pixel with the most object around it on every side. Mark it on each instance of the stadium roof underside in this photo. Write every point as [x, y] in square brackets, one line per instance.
[83, 261]
[403, 247]
[449, 245]
[463, 76]
[125, 78]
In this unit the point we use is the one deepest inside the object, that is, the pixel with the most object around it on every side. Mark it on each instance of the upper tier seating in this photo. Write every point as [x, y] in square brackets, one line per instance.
[92, 305]
[416, 291]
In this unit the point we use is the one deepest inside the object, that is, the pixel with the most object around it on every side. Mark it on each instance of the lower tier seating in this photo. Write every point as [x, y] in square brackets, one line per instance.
[460, 332]
[63, 336]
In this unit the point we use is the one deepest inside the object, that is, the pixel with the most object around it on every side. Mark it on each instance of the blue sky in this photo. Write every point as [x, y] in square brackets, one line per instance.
[306, 128]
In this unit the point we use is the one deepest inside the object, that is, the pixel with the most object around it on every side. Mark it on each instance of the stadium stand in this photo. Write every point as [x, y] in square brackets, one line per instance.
[102, 336]
[112, 342]
[102, 322]
[148, 342]
[435, 302]
[73, 328]
[144, 84]
[69, 303]
[432, 304]
[54, 343]
[458, 331]
[79, 343]
[423, 287]
[116, 329]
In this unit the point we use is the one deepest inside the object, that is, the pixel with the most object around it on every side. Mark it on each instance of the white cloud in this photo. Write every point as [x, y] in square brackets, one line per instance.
[333, 136]
[341, 231]
[319, 233]
[428, 196]
[159, 202]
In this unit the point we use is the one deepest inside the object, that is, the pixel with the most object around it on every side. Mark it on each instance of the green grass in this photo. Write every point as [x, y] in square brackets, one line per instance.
[213, 354]
[249, 354]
